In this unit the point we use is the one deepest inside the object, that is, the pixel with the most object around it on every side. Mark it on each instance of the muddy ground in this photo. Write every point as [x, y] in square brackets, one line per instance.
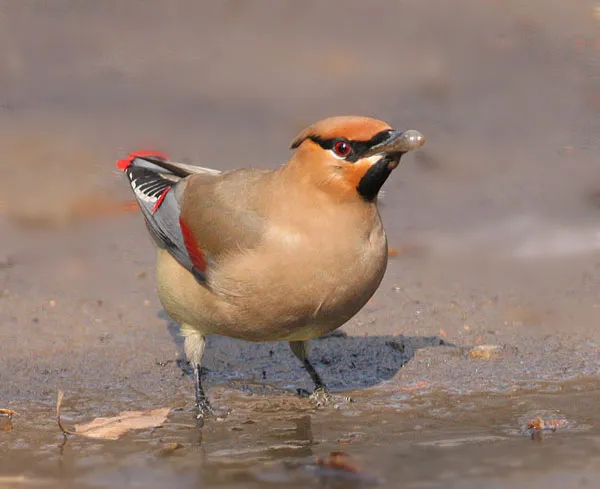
[497, 221]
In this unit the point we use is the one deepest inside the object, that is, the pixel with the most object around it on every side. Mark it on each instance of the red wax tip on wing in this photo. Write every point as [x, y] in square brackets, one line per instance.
[124, 163]
[160, 199]
[195, 253]
[143, 153]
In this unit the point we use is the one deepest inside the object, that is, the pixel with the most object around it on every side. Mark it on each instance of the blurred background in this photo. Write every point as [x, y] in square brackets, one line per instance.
[506, 92]
[496, 221]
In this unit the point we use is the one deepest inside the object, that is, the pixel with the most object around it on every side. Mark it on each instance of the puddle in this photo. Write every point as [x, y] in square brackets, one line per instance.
[434, 439]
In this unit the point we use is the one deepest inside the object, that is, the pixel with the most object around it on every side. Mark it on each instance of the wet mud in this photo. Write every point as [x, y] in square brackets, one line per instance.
[271, 439]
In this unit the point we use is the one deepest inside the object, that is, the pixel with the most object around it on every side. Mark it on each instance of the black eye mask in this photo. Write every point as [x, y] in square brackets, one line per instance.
[358, 147]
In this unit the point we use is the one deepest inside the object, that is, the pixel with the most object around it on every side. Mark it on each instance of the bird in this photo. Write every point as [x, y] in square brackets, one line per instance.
[286, 254]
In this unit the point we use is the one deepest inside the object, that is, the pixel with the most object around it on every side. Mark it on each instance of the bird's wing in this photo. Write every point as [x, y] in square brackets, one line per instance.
[197, 214]
[225, 215]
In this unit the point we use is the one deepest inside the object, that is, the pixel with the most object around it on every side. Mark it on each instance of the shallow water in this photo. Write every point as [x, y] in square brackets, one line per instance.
[430, 439]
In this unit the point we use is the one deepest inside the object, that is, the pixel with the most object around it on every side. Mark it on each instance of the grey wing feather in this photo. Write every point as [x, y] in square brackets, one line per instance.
[157, 193]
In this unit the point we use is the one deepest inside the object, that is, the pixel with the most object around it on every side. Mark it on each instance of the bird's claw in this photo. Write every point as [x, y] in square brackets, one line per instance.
[320, 397]
[204, 409]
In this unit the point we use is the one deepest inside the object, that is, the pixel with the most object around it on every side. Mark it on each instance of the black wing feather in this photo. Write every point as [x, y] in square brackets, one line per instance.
[155, 191]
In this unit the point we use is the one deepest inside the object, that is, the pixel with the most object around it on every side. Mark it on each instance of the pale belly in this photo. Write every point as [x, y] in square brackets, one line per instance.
[284, 299]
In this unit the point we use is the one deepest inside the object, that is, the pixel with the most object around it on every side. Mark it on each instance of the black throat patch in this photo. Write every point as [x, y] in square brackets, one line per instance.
[372, 181]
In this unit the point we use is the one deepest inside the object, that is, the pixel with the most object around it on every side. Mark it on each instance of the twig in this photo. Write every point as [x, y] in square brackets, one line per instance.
[58, 404]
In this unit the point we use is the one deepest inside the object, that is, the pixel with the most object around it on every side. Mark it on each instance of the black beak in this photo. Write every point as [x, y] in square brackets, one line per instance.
[391, 149]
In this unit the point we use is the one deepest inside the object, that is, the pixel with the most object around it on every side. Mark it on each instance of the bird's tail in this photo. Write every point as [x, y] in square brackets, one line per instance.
[159, 163]
[156, 184]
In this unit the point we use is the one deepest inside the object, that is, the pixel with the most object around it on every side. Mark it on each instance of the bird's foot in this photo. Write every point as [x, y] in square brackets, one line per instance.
[321, 397]
[203, 409]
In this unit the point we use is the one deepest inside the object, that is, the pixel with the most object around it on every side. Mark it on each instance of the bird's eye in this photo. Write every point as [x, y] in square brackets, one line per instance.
[342, 148]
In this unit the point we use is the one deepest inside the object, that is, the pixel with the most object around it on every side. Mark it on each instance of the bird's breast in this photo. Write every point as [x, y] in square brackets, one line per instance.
[299, 285]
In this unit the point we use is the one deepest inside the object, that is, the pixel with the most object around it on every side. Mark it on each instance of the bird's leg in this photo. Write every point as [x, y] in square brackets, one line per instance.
[202, 403]
[320, 395]
[194, 350]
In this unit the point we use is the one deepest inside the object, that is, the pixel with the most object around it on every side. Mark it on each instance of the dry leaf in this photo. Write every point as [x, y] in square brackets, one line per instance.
[7, 413]
[115, 427]
[169, 449]
[546, 424]
[338, 461]
[486, 352]
[556, 424]
[536, 424]
[537, 427]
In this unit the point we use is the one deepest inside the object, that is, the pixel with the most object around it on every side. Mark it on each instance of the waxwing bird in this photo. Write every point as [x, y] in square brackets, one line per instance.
[271, 255]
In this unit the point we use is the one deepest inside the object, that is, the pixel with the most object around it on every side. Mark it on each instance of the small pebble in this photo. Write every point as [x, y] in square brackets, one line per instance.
[169, 448]
[486, 352]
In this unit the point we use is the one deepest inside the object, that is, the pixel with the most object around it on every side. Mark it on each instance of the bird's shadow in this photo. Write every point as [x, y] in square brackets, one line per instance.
[345, 362]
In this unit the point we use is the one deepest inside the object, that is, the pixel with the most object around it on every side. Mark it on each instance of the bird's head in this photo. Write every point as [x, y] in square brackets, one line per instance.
[351, 156]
